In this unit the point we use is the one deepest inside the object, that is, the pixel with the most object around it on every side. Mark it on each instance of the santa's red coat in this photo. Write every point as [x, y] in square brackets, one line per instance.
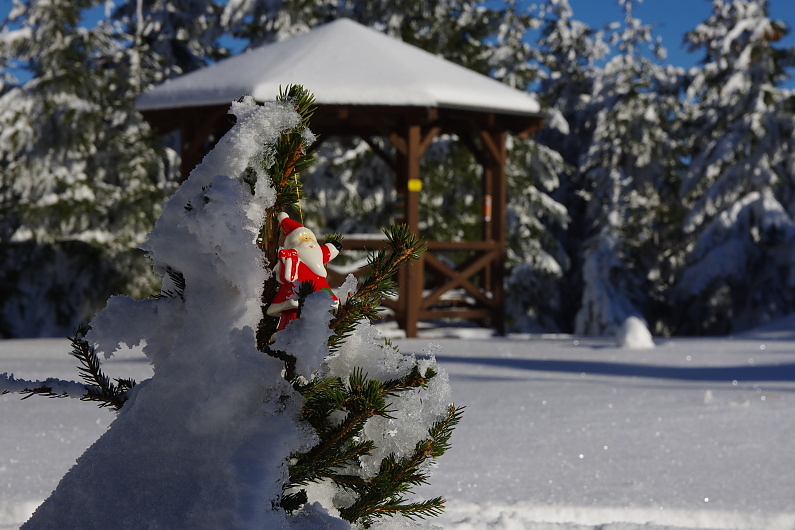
[291, 273]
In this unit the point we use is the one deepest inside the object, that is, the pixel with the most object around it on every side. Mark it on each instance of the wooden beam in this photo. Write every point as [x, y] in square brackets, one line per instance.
[460, 278]
[381, 153]
[432, 133]
[461, 245]
[496, 143]
[492, 145]
[400, 143]
[463, 313]
[414, 269]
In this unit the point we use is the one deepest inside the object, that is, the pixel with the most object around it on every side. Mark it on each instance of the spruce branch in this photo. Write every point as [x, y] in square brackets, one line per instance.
[98, 386]
[414, 379]
[288, 360]
[334, 238]
[178, 280]
[289, 157]
[340, 447]
[361, 398]
[403, 245]
[383, 494]
[290, 149]
[51, 387]
[394, 506]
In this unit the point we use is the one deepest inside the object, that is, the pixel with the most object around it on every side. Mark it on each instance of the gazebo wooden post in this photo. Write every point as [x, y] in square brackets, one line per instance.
[409, 183]
[490, 209]
[494, 169]
[401, 173]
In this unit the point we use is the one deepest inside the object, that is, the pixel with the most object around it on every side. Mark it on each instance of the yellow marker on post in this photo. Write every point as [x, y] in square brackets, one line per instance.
[415, 185]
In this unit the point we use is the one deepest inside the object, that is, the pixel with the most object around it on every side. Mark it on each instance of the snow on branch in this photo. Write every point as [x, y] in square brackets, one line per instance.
[50, 387]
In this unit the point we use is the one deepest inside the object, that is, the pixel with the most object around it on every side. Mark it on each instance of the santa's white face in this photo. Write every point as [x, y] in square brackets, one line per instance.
[307, 239]
[309, 251]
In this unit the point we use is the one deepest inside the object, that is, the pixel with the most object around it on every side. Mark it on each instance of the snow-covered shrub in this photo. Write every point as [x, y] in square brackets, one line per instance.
[222, 436]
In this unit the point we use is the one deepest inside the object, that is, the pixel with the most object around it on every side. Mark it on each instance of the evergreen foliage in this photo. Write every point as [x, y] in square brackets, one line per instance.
[701, 162]
[365, 302]
[630, 162]
[648, 190]
[99, 387]
[358, 397]
[738, 187]
[96, 386]
[171, 37]
[81, 175]
[338, 408]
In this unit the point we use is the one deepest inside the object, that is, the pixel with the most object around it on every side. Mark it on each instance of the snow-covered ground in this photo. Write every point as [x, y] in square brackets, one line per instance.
[560, 432]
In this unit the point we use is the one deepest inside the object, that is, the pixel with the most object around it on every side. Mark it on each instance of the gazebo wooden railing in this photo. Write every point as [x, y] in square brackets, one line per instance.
[433, 289]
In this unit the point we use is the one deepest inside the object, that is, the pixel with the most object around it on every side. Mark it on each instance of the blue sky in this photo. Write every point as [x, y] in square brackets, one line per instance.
[672, 19]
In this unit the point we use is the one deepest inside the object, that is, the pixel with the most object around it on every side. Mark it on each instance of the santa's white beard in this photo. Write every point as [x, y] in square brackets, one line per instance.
[312, 255]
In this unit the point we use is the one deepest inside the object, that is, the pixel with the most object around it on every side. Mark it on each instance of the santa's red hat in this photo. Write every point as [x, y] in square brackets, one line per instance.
[287, 224]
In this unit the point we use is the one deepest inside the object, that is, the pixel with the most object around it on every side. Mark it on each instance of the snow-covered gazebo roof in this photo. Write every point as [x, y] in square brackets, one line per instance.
[342, 63]
[368, 84]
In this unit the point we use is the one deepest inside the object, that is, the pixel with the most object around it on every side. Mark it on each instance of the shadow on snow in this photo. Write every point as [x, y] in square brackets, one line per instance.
[740, 373]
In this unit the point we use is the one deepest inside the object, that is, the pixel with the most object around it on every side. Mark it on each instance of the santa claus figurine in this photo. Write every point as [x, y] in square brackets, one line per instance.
[301, 259]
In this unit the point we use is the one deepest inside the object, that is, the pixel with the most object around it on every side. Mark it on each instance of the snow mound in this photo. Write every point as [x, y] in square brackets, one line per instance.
[634, 334]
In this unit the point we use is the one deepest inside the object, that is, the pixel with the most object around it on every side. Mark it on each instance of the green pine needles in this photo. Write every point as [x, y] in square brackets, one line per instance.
[358, 399]
[338, 408]
[383, 495]
[366, 301]
[96, 386]
[99, 387]
[290, 156]
[291, 150]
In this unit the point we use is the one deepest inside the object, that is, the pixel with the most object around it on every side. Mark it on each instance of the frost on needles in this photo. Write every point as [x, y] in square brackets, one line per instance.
[329, 426]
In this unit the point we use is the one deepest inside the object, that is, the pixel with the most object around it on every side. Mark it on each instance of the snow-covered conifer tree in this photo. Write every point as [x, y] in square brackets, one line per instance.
[567, 52]
[324, 425]
[258, 22]
[81, 177]
[535, 220]
[536, 259]
[171, 37]
[611, 126]
[739, 187]
[627, 170]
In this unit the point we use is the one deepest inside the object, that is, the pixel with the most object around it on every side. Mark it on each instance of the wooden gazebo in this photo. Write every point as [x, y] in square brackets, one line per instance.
[369, 85]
